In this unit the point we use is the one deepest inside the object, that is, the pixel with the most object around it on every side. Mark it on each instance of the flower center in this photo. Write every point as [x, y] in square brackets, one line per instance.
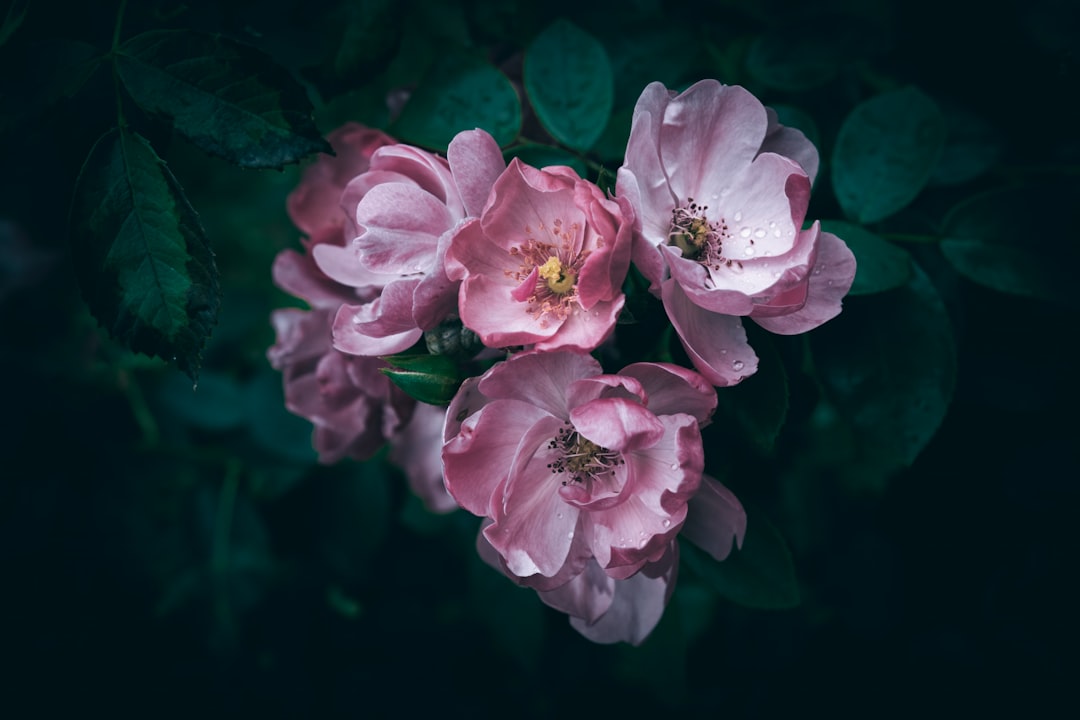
[582, 460]
[559, 280]
[697, 238]
[557, 267]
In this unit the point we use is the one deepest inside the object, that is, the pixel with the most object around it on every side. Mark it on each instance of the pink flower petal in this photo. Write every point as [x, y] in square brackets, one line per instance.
[672, 389]
[478, 459]
[830, 280]
[417, 450]
[586, 597]
[715, 343]
[617, 424]
[540, 379]
[637, 605]
[710, 133]
[476, 163]
[791, 142]
[714, 519]
[533, 528]
[382, 327]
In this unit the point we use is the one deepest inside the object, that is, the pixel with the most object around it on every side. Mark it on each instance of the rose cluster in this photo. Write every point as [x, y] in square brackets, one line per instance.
[584, 478]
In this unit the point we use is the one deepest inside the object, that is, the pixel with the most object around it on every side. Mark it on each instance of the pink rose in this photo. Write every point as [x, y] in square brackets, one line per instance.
[718, 218]
[545, 262]
[353, 406]
[571, 464]
[406, 207]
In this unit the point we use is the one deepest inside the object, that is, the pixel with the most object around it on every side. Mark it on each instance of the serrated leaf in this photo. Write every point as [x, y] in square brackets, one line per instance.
[569, 82]
[880, 265]
[460, 92]
[998, 239]
[142, 258]
[888, 366]
[229, 99]
[759, 575]
[759, 404]
[541, 156]
[885, 152]
[428, 378]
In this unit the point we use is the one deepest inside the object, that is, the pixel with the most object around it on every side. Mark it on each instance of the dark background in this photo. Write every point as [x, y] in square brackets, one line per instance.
[948, 590]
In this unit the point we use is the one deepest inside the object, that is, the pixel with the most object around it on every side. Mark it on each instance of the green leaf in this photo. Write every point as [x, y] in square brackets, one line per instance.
[460, 92]
[1003, 240]
[759, 404]
[880, 265]
[760, 575]
[231, 100]
[142, 258]
[215, 404]
[884, 154]
[887, 365]
[972, 147]
[569, 82]
[541, 156]
[429, 378]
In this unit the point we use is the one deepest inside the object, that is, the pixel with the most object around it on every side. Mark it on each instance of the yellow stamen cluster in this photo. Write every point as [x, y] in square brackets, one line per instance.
[559, 279]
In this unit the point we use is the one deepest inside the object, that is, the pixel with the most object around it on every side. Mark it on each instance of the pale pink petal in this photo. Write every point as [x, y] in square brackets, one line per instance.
[402, 226]
[791, 142]
[617, 424]
[471, 251]
[710, 133]
[830, 280]
[417, 450]
[672, 389]
[715, 343]
[715, 519]
[533, 528]
[489, 309]
[382, 327]
[606, 266]
[314, 204]
[587, 596]
[583, 330]
[646, 186]
[298, 275]
[637, 606]
[526, 203]
[301, 335]
[476, 163]
[539, 378]
[343, 265]
[478, 458]
[763, 211]
[697, 284]
[426, 171]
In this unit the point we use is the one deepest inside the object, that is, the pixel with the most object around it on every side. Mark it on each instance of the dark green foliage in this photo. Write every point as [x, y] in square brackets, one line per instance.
[144, 262]
[224, 97]
[569, 82]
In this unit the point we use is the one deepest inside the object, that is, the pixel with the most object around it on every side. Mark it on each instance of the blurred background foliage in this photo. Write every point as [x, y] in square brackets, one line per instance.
[170, 552]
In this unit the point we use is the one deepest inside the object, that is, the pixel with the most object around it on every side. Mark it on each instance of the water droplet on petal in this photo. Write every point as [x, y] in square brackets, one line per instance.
[738, 216]
[737, 365]
[558, 515]
[666, 523]
[772, 225]
[776, 273]
[776, 232]
[759, 233]
[745, 232]
[570, 534]
[748, 251]
[725, 191]
[674, 466]
[723, 352]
